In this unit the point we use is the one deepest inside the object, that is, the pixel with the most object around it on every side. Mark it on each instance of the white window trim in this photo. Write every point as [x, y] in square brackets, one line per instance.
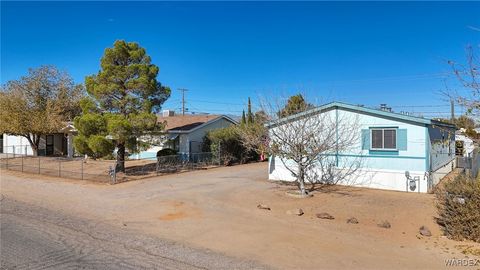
[383, 140]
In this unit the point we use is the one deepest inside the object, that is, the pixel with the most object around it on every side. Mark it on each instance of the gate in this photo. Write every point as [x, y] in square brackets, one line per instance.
[470, 165]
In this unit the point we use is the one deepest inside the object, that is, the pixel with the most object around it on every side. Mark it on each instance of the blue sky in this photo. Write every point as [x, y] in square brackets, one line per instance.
[223, 52]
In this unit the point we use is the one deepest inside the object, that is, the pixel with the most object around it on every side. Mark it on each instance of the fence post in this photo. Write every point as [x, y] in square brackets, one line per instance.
[22, 163]
[220, 154]
[38, 165]
[81, 161]
[13, 147]
[59, 168]
[26, 150]
[7, 160]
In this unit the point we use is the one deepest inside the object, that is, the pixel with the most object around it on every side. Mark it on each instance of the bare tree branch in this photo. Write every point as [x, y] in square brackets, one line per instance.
[312, 145]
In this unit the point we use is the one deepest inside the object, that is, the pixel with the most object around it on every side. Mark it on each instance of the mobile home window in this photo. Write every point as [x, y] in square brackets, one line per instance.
[384, 138]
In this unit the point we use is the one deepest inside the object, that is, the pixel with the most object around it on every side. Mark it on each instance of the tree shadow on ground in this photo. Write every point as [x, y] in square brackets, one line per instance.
[324, 188]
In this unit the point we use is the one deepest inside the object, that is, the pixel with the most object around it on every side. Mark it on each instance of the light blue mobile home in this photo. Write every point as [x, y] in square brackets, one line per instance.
[398, 151]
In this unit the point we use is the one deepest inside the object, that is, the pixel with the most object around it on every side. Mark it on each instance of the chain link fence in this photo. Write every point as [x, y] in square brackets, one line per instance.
[471, 164]
[141, 168]
[17, 158]
[74, 168]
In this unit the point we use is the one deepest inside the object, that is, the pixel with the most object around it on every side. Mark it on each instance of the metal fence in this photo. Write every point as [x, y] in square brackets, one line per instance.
[470, 165]
[141, 168]
[74, 168]
[181, 162]
[105, 171]
[13, 150]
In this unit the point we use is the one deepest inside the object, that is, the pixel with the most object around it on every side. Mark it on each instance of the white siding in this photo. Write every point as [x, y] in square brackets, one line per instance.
[17, 144]
[378, 170]
[195, 139]
[21, 145]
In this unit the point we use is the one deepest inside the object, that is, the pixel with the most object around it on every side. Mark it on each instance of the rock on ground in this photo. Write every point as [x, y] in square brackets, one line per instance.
[425, 231]
[324, 215]
[385, 225]
[297, 212]
[352, 220]
[263, 207]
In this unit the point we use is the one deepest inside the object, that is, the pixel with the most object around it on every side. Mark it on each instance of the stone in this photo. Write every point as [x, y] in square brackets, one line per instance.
[425, 231]
[324, 215]
[459, 200]
[385, 224]
[352, 220]
[263, 207]
[297, 212]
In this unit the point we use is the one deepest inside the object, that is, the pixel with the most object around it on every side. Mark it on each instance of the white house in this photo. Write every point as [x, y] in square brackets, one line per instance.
[54, 144]
[391, 146]
[185, 133]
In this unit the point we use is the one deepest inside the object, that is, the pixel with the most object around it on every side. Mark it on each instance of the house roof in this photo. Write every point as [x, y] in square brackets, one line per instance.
[188, 123]
[68, 128]
[360, 109]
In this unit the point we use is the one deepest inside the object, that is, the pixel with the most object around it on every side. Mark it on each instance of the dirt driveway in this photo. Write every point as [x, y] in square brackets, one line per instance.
[217, 209]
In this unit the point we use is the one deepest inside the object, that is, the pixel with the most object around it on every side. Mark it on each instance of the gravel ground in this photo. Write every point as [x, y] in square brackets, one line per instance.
[38, 238]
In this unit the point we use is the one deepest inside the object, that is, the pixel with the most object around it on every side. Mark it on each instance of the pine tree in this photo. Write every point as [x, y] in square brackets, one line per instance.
[126, 93]
[295, 104]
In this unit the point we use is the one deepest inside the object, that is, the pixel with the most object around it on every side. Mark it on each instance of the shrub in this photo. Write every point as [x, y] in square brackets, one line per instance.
[458, 204]
[81, 145]
[100, 146]
[226, 142]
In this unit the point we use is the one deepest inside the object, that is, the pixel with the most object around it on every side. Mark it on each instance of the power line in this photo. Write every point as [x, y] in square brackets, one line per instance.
[217, 102]
[389, 79]
[419, 106]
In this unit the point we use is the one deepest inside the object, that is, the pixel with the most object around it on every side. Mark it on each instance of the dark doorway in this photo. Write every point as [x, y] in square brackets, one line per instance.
[49, 145]
[64, 145]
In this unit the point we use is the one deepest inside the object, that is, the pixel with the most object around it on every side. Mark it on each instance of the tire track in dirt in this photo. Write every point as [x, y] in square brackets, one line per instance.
[38, 238]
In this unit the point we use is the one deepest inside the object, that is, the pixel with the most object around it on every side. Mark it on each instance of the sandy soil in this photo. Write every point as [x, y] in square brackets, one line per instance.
[217, 209]
[91, 170]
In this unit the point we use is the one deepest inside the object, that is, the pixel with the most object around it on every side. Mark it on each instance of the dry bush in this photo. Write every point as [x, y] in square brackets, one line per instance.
[458, 204]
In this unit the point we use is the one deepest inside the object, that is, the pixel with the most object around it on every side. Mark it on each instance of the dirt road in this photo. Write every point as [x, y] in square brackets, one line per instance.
[37, 238]
[216, 210]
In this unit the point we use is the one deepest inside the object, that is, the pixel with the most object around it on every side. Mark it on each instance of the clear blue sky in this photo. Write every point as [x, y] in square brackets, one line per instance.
[366, 53]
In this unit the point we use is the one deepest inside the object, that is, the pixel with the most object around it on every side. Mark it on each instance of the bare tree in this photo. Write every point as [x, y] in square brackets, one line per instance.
[316, 146]
[253, 137]
[38, 103]
[469, 76]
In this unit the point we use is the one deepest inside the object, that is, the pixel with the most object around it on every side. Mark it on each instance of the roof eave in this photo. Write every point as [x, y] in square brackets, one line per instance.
[203, 125]
[334, 105]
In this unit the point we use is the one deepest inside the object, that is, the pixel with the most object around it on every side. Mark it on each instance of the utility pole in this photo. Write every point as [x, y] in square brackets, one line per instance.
[452, 110]
[183, 99]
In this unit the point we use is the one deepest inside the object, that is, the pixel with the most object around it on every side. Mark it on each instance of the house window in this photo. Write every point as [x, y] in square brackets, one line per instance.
[384, 139]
